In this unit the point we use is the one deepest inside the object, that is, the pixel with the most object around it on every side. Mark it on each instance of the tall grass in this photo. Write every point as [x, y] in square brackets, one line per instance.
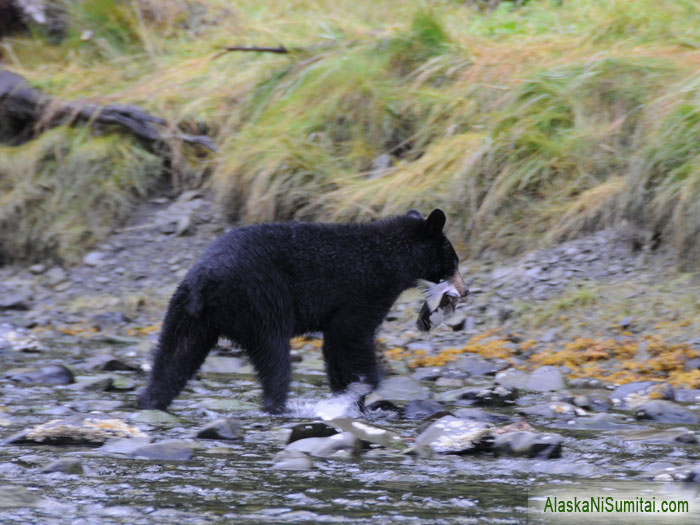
[529, 123]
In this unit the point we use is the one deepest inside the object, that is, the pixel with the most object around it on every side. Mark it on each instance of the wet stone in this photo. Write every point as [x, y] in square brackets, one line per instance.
[124, 446]
[173, 450]
[513, 378]
[91, 430]
[480, 415]
[694, 475]
[632, 395]
[450, 382]
[554, 410]
[17, 339]
[96, 384]
[451, 435]
[399, 388]
[487, 396]
[292, 460]
[226, 365]
[476, 365]
[48, 375]
[585, 382]
[686, 395]
[666, 412]
[421, 409]
[226, 428]
[545, 379]
[65, 466]
[309, 430]
[108, 363]
[17, 496]
[529, 444]
[603, 421]
[673, 436]
[155, 417]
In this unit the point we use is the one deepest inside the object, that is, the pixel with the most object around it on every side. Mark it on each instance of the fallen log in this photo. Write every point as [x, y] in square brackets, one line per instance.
[26, 112]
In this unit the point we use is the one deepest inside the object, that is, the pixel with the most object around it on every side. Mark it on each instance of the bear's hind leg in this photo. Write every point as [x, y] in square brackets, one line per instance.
[184, 343]
[272, 362]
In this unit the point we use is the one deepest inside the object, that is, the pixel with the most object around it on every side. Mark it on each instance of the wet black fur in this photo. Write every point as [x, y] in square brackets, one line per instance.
[261, 285]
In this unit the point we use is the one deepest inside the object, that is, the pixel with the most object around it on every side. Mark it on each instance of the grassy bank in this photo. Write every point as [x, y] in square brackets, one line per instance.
[528, 124]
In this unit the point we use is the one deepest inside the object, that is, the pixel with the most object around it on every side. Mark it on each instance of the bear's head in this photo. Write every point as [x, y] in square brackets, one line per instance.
[441, 258]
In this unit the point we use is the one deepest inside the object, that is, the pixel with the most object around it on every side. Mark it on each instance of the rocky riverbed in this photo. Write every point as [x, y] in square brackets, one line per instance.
[576, 365]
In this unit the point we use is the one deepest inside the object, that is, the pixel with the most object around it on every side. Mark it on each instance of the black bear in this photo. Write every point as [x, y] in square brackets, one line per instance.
[261, 285]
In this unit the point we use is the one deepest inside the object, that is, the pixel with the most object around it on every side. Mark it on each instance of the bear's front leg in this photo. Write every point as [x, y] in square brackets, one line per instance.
[348, 349]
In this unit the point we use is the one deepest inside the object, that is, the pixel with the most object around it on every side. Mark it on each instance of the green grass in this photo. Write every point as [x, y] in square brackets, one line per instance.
[530, 123]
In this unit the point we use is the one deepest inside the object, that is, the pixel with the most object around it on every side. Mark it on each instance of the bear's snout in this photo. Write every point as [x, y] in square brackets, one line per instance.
[459, 284]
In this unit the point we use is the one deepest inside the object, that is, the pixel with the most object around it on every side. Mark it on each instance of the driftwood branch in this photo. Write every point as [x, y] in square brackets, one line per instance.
[30, 111]
[280, 50]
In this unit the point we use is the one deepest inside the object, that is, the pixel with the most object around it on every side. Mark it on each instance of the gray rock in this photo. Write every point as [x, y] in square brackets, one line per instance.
[96, 384]
[64, 465]
[421, 409]
[666, 412]
[18, 339]
[309, 430]
[184, 225]
[91, 429]
[172, 450]
[457, 322]
[476, 365]
[545, 379]
[529, 444]
[226, 428]
[512, 378]
[554, 409]
[427, 373]
[328, 446]
[451, 435]
[55, 275]
[48, 375]
[399, 388]
[37, 269]
[637, 393]
[124, 446]
[626, 322]
[15, 299]
[155, 417]
[603, 422]
[12, 496]
[686, 395]
[449, 382]
[480, 415]
[487, 396]
[585, 382]
[226, 365]
[292, 460]
[694, 475]
[673, 436]
[109, 363]
[93, 259]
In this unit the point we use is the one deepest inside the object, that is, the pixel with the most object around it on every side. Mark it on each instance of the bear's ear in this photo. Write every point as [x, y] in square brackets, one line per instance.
[414, 214]
[435, 222]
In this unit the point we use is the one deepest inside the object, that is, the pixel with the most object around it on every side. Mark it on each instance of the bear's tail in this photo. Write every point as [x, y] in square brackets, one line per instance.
[185, 341]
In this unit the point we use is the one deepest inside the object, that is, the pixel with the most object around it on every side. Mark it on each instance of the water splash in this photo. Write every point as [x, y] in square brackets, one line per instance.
[331, 406]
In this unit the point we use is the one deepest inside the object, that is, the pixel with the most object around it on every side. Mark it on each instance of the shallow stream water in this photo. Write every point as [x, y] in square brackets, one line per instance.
[235, 482]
